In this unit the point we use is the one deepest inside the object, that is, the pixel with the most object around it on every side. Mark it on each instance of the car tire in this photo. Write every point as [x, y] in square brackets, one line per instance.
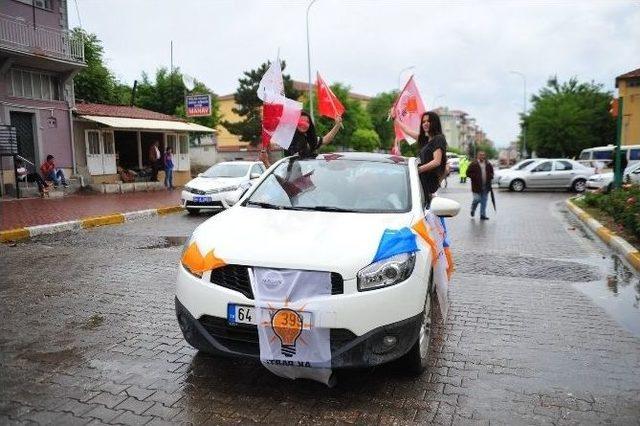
[517, 185]
[579, 185]
[193, 211]
[416, 360]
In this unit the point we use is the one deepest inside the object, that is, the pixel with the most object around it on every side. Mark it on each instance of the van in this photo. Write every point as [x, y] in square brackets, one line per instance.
[604, 154]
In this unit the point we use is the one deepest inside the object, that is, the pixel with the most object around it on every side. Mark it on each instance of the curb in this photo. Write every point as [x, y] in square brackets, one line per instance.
[84, 223]
[617, 243]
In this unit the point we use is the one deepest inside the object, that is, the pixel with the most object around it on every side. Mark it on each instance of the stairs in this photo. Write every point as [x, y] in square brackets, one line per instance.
[30, 189]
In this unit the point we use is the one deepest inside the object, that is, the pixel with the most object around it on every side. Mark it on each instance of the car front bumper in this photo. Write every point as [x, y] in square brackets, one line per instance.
[596, 184]
[205, 202]
[216, 336]
[358, 320]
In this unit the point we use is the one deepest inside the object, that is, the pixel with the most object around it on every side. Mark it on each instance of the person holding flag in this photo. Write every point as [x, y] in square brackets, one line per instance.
[433, 150]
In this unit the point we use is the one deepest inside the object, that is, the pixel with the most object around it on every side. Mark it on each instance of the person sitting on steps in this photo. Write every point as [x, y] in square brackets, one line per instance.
[50, 172]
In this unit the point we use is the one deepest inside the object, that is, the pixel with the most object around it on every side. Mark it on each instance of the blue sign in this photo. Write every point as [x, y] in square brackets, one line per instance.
[198, 105]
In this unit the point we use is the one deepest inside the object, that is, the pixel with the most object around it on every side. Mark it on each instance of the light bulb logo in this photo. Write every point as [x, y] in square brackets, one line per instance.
[287, 325]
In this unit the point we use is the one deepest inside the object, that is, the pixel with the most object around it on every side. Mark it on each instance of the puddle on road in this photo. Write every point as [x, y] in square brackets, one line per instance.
[618, 293]
[72, 356]
[166, 242]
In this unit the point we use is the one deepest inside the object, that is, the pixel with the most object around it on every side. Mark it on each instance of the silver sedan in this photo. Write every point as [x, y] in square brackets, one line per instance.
[558, 173]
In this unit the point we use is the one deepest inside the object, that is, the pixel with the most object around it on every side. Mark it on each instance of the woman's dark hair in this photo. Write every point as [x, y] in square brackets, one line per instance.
[307, 145]
[435, 128]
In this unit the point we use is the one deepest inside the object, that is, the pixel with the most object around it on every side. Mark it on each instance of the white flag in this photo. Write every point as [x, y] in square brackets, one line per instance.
[271, 84]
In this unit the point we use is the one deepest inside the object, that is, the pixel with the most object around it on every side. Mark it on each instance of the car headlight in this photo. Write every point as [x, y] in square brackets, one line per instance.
[188, 260]
[386, 272]
[188, 188]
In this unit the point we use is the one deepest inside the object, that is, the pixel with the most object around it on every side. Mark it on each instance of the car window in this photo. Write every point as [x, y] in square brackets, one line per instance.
[341, 184]
[563, 165]
[603, 155]
[634, 154]
[226, 170]
[585, 155]
[543, 167]
[521, 165]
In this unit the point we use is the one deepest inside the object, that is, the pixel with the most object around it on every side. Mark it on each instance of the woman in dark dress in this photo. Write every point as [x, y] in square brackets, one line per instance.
[433, 150]
[305, 142]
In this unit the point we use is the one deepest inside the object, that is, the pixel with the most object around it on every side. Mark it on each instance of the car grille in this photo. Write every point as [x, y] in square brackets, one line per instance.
[196, 191]
[243, 338]
[236, 277]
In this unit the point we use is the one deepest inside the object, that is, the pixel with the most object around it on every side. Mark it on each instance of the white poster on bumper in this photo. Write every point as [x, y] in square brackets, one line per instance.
[290, 343]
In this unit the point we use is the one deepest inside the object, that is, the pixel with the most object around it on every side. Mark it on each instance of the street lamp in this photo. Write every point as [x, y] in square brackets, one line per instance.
[309, 62]
[400, 86]
[524, 107]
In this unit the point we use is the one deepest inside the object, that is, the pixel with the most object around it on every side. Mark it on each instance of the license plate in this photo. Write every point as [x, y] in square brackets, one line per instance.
[202, 199]
[243, 314]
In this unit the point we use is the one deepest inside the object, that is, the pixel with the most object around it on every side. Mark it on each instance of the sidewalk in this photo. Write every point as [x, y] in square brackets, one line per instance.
[37, 211]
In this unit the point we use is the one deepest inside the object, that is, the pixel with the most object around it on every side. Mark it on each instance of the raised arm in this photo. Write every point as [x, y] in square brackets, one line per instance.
[328, 138]
[407, 130]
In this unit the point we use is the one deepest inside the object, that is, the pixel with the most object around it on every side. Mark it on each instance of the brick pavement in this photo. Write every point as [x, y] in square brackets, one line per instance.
[90, 337]
[37, 211]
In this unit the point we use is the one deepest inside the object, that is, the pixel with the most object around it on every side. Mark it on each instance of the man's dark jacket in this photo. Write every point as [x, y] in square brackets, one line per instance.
[475, 174]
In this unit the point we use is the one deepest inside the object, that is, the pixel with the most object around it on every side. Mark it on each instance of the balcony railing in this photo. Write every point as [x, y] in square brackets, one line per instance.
[24, 37]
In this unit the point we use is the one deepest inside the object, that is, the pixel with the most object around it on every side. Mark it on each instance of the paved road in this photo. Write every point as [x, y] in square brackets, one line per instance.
[89, 336]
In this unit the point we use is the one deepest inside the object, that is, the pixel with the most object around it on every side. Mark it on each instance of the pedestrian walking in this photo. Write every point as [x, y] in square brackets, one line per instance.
[463, 167]
[51, 172]
[481, 174]
[154, 160]
[168, 168]
[433, 152]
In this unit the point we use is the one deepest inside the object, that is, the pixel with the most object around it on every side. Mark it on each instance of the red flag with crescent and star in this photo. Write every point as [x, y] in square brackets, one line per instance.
[328, 104]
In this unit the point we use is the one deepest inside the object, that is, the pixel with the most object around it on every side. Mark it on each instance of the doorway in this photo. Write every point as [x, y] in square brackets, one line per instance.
[23, 122]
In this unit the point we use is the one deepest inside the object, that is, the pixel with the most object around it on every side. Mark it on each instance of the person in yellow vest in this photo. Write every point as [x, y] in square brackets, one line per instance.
[463, 167]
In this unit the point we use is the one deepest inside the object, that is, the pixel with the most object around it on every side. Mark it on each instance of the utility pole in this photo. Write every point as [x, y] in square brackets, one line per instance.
[309, 63]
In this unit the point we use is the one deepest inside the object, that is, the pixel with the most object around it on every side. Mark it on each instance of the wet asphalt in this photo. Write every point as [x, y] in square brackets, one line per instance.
[544, 327]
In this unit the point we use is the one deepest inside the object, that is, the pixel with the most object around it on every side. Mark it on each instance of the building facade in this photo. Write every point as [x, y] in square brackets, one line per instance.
[628, 85]
[38, 59]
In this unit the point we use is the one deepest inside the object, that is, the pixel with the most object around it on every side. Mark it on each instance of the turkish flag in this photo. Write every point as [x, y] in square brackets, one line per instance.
[271, 114]
[328, 104]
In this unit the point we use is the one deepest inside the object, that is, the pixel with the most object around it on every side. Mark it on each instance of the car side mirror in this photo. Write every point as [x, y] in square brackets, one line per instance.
[255, 175]
[444, 207]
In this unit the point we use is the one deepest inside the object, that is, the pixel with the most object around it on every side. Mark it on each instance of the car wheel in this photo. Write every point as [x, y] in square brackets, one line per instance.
[415, 361]
[193, 211]
[517, 185]
[579, 185]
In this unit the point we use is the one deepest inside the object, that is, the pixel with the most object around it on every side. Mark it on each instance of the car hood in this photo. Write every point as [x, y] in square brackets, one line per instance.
[308, 240]
[206, 184]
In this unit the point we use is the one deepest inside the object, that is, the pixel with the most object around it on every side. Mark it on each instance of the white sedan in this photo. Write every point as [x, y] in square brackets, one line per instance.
[604, 181]
[321, 214]
[210, 189]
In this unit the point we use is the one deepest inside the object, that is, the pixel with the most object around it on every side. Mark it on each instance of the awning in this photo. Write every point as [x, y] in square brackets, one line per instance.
[141, 124]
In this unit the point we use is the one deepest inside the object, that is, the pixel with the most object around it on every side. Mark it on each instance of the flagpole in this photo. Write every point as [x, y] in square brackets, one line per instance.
[309, 62]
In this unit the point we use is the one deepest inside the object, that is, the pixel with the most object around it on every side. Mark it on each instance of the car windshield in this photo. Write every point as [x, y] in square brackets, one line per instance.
[338, 185]
[228, 170]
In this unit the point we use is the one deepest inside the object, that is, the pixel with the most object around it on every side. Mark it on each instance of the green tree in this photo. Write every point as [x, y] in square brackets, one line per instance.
[166, 94]
[96, 83]
[355, 117]
[569, 117]
[378, 108]
[249, 105]
[365, 140]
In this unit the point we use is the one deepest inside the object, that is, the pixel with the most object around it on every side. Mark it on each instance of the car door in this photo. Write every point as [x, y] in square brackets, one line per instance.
[540, 175]
[562, 175]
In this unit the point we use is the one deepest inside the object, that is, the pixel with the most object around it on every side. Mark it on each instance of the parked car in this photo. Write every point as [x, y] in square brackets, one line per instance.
[209, 189]
[518, 166]
[322, 214]
[604, 155]
[604, 181]
[557, 173]
[454, 162]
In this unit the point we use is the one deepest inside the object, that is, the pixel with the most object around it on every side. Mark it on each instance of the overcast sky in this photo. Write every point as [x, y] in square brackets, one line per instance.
[462, 50]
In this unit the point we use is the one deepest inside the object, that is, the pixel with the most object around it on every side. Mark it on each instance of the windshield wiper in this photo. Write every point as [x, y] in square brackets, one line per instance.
[263, 205]
[325, 209]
